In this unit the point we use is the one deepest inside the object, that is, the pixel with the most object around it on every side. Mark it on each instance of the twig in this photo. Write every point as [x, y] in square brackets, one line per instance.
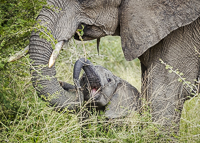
[82, 43]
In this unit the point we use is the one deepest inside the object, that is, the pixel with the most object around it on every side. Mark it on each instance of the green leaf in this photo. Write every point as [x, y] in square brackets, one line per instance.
[179, 79]
[181, 74]
[170, 71]
[167, 67]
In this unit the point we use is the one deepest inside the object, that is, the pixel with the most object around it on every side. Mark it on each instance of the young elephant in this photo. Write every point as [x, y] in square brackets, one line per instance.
[105, 89]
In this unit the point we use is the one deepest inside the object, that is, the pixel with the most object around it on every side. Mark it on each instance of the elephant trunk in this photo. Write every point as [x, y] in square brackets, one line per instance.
[43, 77]
[90, 71]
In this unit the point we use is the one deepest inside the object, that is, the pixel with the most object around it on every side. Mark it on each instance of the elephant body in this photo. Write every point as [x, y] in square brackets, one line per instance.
[149, 29]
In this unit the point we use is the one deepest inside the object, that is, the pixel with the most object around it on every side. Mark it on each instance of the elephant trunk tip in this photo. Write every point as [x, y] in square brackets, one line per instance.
[77, 67]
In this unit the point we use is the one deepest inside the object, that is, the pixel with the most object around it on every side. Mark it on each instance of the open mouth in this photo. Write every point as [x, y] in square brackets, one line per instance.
[94, 92]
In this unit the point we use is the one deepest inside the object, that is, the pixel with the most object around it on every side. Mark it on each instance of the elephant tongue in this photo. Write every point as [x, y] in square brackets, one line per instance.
[93, 92]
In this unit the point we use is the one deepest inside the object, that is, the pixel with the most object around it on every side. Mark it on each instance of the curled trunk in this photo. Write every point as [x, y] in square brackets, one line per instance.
[90, 71]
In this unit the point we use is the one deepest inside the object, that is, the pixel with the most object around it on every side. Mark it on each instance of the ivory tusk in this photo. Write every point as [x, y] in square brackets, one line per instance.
[19, 54]
[55, 53]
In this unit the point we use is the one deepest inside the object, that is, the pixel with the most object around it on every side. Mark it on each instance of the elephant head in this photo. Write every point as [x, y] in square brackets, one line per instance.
[140, 23]
[106, 89]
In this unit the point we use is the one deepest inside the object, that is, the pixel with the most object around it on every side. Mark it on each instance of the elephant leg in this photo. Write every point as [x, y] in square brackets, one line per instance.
[161, 88]
[164, 94]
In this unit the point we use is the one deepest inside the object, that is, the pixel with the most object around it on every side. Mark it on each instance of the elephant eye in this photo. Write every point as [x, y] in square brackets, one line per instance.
[108, 79]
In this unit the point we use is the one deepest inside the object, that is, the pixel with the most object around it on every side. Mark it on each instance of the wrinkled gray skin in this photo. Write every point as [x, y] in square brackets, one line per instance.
[149, 30]
[120, 97]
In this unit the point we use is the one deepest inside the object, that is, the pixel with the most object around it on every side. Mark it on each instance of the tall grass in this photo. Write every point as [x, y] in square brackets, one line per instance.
[26, 118]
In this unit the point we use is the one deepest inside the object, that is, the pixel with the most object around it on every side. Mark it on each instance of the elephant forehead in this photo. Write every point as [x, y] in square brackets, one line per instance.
[103, 71]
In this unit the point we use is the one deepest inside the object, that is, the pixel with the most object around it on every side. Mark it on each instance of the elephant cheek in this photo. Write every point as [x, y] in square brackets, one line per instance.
[103, 102]
[66, 28]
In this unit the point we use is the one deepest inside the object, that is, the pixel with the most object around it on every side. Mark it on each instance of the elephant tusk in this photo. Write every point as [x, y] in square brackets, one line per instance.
[19, 54]
[98, 41]
[55, 53]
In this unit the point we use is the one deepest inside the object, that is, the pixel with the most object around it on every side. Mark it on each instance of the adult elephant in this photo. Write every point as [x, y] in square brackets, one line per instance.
[150, 30]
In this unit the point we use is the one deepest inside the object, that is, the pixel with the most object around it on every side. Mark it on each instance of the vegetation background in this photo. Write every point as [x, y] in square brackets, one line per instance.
[25, 118]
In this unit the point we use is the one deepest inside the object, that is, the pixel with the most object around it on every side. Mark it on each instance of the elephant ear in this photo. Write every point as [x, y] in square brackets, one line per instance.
[143, 23]
[124, 100]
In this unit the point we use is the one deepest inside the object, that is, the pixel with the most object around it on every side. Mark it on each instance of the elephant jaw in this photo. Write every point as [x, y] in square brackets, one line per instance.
[95, 95]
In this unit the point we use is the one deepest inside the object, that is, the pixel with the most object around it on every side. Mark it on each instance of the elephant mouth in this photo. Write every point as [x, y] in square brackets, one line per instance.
[91, 32]
[95, 93]
[97, 98]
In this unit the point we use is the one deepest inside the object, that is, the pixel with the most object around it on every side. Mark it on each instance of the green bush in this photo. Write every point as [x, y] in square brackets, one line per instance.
[17, 20]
